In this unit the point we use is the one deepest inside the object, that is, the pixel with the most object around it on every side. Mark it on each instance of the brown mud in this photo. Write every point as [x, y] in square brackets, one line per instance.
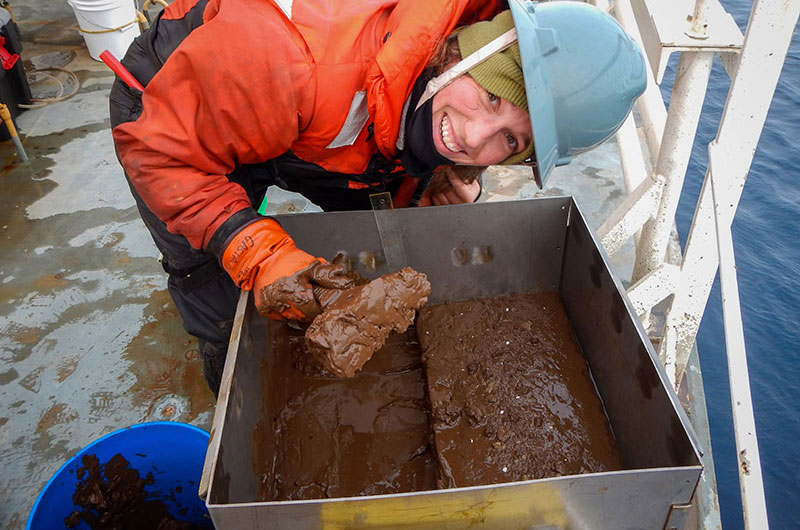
[505, 394]
[324, 436]
[511, 394]
[112, 497]
[359, 320]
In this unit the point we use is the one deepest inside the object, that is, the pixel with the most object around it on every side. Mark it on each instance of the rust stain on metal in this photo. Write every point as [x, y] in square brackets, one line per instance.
[744, 462]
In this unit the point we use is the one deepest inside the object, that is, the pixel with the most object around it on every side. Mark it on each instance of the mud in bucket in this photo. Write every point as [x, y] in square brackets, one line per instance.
[106, 25]
[173, 452]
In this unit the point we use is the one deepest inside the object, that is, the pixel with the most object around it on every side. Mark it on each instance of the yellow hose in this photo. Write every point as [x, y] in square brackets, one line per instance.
[5, 114]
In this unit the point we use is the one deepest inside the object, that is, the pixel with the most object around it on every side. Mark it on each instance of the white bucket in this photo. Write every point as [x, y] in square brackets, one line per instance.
[106, 25]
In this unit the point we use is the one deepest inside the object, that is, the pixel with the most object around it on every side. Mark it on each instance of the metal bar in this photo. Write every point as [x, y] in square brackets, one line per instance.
[651, 106]
[654, 288]
[678, 515]
[604, 5]
[751, 482]
[634, 169]
[753, 97]
[686, 104]
[730, 61]
[686, 309]
[630, 215]
[767, 40]
[684, 25]
[221, 410]
[389, 230]
[693, 394]
[698, 27]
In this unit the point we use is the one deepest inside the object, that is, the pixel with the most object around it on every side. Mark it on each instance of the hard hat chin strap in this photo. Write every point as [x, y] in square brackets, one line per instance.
[463, 66]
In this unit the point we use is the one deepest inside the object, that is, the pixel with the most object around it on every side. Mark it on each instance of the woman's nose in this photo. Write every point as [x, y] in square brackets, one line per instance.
[478, 131]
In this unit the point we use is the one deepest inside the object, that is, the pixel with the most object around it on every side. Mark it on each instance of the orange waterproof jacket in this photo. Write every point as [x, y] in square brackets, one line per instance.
[254, 81]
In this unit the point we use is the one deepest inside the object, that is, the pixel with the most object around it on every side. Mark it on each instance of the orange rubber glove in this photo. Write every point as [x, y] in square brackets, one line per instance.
[264, 258]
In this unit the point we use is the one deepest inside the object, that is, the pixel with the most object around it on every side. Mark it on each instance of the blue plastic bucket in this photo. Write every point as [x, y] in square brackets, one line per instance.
[173, 452]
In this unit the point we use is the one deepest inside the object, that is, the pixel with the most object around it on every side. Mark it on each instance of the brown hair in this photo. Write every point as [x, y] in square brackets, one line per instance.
[447, 53]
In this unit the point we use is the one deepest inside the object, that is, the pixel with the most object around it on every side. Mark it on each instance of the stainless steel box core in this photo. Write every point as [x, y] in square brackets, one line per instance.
[472, 251]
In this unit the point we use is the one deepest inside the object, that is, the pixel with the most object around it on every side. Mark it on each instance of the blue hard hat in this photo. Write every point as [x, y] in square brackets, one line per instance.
[582, 74]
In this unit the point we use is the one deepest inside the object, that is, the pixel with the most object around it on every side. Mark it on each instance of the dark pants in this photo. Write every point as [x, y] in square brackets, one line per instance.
[203, 292]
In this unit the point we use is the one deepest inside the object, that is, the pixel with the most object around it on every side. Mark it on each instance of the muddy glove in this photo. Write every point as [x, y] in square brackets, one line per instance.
[264, 258]
[303, 294]
[357, 322]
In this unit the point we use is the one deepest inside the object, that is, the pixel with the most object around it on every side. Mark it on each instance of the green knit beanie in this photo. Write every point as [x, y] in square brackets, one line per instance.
[500, 74]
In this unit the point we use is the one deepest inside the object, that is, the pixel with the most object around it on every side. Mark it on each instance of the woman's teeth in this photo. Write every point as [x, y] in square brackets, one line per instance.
[444, 128]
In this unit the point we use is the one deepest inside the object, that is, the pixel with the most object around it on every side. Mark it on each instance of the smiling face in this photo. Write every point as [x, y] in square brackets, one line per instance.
[474, 127]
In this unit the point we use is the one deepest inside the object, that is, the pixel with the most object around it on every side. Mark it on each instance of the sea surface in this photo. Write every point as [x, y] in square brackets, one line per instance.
[766, 233]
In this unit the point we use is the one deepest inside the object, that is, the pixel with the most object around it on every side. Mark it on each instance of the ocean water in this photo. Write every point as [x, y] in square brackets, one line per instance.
[767, 247]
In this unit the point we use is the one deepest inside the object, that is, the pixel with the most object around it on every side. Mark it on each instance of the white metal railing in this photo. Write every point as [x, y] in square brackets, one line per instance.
[698, 30]
[650, 208]
[767, 39]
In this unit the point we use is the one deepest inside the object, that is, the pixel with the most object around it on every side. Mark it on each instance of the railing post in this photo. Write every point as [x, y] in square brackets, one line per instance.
[686, 104]
[651, 105]
[767, 40]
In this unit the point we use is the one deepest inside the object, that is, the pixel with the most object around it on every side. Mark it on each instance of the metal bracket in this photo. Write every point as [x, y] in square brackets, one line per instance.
[677, 517]
[667, 27]
[389, 231]
[654, 287]
[631, 214]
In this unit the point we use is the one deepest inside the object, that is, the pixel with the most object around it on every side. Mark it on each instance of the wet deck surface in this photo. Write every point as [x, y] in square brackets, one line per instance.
[90, 340]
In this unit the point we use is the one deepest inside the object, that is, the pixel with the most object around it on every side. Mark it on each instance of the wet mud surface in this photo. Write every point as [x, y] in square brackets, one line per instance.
[89, 334]
[167, 366]
[504, 395]
[112, 496]
[359, 320]
[324, 436]
[511, 394]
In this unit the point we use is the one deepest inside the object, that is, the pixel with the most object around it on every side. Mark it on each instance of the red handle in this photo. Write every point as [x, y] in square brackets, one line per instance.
[7, 59]
[120, 70]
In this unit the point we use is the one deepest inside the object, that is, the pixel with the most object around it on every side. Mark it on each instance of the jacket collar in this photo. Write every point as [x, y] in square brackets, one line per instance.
[415, 30]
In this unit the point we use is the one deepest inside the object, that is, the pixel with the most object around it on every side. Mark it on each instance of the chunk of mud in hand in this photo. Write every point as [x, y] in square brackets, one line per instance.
[357, 323]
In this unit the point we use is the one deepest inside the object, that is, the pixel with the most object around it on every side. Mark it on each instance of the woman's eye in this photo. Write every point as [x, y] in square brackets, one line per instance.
[492, 97]
[511, 140]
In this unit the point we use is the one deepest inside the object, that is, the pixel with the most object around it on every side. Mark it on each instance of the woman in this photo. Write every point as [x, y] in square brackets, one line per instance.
[332, 100]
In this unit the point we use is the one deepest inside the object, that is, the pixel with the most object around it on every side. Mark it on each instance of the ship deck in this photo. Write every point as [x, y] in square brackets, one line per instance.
[91, 341]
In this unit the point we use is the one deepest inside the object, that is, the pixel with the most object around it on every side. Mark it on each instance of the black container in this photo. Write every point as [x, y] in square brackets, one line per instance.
[14, 88]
